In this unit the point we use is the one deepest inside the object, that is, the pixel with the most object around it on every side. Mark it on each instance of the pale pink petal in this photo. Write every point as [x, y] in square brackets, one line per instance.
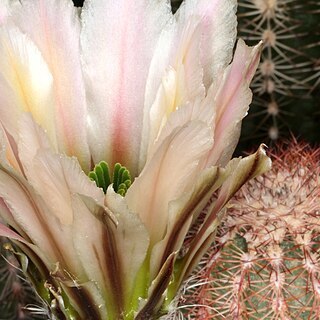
[110, 254]
[191, 53]
[118, 40]
[55, 177]
[4, 11]
[26, 213]
[9, 150]
[167, 175]
[51, 240]
[157, 290]
[232, 102]
[8, 233]
[237, 172]
[132, 241]
[218, 30]
[181, 82]
[182, 212]
[55, 28]
[26, 81]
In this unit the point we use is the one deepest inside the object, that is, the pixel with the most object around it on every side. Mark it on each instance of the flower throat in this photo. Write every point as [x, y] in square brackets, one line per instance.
[121, 179]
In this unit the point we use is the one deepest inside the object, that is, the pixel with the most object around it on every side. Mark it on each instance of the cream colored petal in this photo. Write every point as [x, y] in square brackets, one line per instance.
[54, 27]
[183, 212]
[218, 33]
[237, 172]
[200, 109]
[242, 170]
[132, 241]
[232, 101]
[26, 212]
[167, 175]
[26, 81]
[110, 254]
[55, 177]
[92, 247]
[118, 40]
[192, 51]
[181, 83]
[35, 221]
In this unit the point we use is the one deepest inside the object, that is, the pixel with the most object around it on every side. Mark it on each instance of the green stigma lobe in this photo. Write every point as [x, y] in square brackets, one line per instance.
[121, 179]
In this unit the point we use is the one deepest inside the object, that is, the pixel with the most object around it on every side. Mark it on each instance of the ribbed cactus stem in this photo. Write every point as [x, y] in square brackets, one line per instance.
[265, 263]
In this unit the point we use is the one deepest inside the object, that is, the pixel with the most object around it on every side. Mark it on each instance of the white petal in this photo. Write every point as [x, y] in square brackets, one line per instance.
[180, 83]
[175, 78]
[4, 11]
[26, 81]
[232, 102]
[167, 175]
[237, 172]
[55, 177]
[118, 40]
[111, 254]
[218, 29]
[192, 52]
[55, 28]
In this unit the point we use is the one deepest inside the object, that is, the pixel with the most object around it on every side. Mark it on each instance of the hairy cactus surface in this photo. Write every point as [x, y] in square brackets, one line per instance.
[265, 263]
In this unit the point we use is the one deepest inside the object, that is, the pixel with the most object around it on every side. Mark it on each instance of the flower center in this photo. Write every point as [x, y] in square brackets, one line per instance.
[121, 180]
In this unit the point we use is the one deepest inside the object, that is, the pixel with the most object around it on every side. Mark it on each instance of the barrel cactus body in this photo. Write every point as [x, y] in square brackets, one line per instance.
[266, 261]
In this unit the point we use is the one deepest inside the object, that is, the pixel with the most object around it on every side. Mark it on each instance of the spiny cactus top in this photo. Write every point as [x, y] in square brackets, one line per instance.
[266, 260]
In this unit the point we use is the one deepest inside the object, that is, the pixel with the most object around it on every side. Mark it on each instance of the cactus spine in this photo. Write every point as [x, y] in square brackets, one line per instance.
[265, 263]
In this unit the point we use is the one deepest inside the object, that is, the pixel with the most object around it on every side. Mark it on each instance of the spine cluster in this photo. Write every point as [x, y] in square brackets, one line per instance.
[265, 263]
[287, 83]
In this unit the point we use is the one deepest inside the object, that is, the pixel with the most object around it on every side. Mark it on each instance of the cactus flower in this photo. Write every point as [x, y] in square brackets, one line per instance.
[117, 125]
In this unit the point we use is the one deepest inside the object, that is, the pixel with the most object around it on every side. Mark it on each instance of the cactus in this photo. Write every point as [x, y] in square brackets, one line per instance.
[265, 263]
[17, 299]
[286, 88]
